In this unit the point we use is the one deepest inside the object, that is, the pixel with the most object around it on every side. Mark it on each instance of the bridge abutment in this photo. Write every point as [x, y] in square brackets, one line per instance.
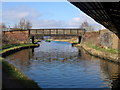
[32, 39]
[79, 39]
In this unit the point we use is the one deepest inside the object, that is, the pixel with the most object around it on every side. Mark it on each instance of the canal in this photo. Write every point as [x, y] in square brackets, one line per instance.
[58, 64]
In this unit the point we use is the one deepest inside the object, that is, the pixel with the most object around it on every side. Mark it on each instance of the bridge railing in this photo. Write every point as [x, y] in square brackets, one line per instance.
[76, 32]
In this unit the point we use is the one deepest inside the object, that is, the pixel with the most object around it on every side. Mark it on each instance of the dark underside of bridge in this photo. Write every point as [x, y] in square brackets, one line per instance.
[105, 13]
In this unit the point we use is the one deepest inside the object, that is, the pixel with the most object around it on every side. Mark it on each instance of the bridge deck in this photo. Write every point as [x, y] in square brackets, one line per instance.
[57, 32]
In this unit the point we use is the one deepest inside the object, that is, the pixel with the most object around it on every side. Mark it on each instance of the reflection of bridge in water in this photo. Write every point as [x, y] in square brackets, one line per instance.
[56, 32]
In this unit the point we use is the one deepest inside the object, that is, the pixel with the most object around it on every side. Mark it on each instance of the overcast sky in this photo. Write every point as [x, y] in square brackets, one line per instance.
[46, 14]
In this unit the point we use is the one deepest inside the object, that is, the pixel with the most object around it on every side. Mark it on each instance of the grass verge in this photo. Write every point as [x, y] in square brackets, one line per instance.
[66, 40]
[109, 50]
[15, 45]
[106, 54]
[8, 49]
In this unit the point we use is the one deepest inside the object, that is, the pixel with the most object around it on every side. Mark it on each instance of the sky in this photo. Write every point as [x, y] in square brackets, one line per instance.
[46, 14]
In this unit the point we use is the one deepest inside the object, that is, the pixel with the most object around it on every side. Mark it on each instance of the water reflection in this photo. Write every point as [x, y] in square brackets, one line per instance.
[58, 64]
[21, 58]
[116, 81]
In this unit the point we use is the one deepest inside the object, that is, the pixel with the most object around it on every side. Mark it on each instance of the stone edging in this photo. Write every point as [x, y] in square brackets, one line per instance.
[103, 55]
[15, 49]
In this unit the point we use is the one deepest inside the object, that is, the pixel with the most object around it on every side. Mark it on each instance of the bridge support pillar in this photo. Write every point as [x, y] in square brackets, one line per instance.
[79, 39]
[33, 39]
[28, 32]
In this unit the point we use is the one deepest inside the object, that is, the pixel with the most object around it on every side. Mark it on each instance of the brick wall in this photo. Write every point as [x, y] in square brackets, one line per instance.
[91, 37]
[13, 37]
[103, 38]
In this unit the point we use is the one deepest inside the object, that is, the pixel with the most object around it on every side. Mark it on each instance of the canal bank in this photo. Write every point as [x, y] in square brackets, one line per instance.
[9, 49]
[73, 40]
[108, 54]
[11, 76]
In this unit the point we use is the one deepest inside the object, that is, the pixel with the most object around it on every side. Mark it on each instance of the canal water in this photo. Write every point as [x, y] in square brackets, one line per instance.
[57, 64]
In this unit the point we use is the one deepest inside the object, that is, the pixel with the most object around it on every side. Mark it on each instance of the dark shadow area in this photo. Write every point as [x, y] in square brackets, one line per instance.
[73, 44]
[79, 39]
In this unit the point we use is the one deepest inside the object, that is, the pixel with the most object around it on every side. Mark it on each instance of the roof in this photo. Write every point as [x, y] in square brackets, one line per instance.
[105, 13]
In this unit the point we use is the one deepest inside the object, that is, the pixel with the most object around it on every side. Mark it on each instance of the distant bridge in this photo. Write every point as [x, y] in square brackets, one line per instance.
[56, 32]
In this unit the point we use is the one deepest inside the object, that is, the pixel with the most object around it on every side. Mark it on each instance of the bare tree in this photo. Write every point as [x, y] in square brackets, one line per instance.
[3, 25]
[28, 25]
[86, 26]
[22, 24]
[25, 24]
